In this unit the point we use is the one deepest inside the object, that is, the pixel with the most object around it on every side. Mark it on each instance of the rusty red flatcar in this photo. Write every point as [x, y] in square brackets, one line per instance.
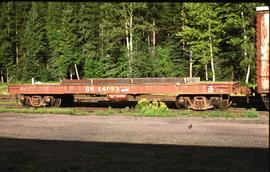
[186, 92]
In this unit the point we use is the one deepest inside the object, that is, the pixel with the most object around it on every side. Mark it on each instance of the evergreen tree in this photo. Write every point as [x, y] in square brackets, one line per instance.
[111, 36]
[89, 36]
[69, 55]
[35, 45]
[238, 42]
[53, 27]
[6, 53]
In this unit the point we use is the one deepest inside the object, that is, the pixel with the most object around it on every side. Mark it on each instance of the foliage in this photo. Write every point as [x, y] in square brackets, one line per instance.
[45, 40]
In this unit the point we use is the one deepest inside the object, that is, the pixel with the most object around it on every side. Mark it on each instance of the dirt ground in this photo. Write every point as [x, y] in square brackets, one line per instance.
[31, 142]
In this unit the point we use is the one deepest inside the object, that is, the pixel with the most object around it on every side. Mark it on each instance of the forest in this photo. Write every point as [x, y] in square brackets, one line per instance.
[50, 41]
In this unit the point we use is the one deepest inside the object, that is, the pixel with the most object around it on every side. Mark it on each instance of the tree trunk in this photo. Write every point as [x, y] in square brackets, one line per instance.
[70, 75]
[248, 73]
[154, 37]
[131, 38]
[211, 54]
[77, 73]
[245, 49]
[190, 65]
[7, 76]
[128, 51]
[206, 72]
[148, 43]
[206, 69]
[2, 76]
[212, 64]
[9, 79]
[102, 44]
[16, 38]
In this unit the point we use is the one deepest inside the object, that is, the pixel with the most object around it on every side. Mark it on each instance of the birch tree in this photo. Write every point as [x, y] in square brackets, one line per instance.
[239, 40]
[128, 19]
[202, 31]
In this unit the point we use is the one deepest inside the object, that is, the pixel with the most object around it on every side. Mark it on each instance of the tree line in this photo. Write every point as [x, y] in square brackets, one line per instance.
[49, 41]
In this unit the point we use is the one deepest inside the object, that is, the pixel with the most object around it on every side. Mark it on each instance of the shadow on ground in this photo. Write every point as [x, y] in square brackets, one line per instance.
[52, 155]
[105, 104]
[238, 102]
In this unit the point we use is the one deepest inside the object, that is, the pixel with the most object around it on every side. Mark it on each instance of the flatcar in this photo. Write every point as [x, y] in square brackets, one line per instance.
[186, 92]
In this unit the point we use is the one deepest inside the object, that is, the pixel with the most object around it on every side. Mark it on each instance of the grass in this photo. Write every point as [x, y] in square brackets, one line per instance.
[70, 111]
[220, 114]
[108, 112]
[251, 113]
[132, 112]
[216, 113]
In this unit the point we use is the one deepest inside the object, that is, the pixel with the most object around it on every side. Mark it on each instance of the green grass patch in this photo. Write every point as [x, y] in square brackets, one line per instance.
[217, 114]
[108, 112]
[183, 112]
[70, 111]
[135, 112]
[251, 114]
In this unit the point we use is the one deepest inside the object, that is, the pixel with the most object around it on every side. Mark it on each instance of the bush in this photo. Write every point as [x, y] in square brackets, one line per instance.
[151, 108]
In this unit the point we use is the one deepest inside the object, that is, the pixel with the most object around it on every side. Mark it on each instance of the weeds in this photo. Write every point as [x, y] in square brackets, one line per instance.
[152, 108]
